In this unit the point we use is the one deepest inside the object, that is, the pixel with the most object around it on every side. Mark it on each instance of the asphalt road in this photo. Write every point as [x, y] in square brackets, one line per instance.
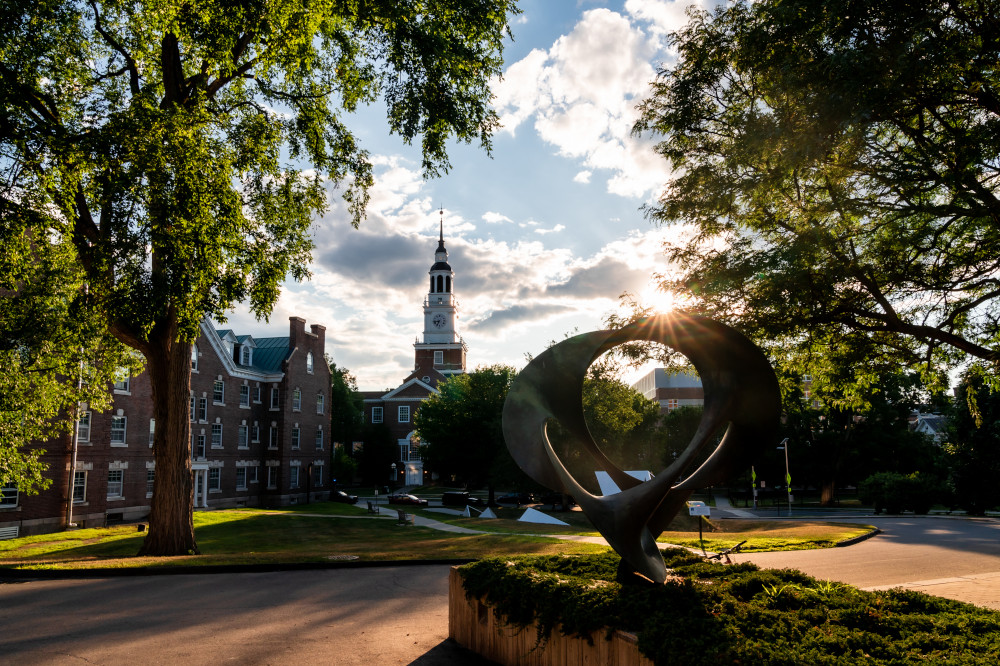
[957, 558]
[394, 615]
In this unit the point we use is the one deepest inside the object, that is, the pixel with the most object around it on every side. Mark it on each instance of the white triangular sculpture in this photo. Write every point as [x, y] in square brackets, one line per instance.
[467, 513]
[609, 487]
[536, 516]
[487, 513]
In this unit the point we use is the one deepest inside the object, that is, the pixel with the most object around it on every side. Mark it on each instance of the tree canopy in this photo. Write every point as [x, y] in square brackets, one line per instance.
[179, 150]
[462, 430]
[837, 166]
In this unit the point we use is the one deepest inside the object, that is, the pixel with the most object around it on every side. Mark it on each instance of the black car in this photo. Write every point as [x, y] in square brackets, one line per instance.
[556, 499]
[341, 496]
[460, 498]
[517, 499]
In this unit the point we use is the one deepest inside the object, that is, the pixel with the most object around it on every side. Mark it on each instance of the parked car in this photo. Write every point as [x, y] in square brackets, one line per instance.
[341, 496]
[517, 499]
[555, 499]
[460, 498]
[402, 498]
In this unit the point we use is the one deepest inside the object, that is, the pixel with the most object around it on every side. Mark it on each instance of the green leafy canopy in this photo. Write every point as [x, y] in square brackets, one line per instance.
[838, 165]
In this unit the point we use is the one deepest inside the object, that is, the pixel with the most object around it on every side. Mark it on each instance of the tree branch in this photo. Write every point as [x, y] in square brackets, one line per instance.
[133, 72]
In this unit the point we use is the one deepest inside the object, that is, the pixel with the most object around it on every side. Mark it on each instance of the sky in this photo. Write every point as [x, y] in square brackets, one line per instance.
[543, 237]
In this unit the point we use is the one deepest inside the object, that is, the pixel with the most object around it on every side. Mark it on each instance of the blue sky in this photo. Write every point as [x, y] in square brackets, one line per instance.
[543, 237]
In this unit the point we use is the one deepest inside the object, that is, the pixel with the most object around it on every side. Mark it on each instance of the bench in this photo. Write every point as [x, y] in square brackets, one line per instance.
[372, 508]
[406, 518]
[9, 532]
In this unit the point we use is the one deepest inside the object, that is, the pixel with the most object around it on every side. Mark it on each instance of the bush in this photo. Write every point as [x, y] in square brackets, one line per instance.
[894, 492]
[715, 614]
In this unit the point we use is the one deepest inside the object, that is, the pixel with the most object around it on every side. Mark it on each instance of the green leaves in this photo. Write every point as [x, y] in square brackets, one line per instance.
[839, 165]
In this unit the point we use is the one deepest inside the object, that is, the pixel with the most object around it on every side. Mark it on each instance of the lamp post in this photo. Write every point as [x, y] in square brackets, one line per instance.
[788, 476]
[393, 476]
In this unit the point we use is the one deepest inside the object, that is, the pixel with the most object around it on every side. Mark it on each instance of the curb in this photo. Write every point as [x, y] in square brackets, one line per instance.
[857, 539]
[20, 575]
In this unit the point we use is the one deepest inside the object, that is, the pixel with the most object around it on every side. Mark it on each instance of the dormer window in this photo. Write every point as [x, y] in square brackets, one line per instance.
[246, 355]
[309, 363]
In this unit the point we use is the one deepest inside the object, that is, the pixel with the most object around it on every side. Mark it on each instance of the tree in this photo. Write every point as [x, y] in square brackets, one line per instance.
[52, 348]
[837, 163]
[346, 407]
[461, 427]
[973, 448]
[183, 148]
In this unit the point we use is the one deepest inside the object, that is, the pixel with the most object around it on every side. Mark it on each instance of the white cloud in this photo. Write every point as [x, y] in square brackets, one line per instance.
[582, 94]
[495, 218]
[553, 230]
[582, 177]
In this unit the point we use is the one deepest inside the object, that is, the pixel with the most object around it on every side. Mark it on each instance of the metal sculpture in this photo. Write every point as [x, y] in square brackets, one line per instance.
[740, 388]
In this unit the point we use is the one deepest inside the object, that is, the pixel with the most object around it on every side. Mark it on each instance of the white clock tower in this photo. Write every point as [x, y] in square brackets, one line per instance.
[442, 348]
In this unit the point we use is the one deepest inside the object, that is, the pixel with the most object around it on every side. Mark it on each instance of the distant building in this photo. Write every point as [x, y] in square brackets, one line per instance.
[671, 390]
[932, 425]
[259, 436]
[438, 354]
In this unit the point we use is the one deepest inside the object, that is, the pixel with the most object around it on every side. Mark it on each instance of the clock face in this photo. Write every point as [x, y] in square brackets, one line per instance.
[439, 320]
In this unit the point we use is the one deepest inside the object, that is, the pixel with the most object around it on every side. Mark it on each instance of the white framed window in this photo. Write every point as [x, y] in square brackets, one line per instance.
[194, 358]
[118, 427]
[8, 494]
[203, 409]
[671, 404]
[216, 435]
[309, 363]
[191, 410]
[200, 451]
[272, 438]
[150, 481]
[255, 432]
[252, 474]
[152, 431]
[122, 383]
[296, 400]
[319, 438]
[241, 478]
[376, 415]
[439, 358]
[215, 480]
[83, 428]
[218, 391]
[293, 477]
[295, 437]
[116, 483]
[272, 477]
[404, 414]
[246, 355]
[320, 402]
[317, 475]
[244, 395]
[274, 398]
[242, 437]
[79, 486]
[256, 394]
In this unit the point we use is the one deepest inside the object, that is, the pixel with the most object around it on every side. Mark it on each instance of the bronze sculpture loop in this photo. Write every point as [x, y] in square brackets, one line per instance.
[740, 389]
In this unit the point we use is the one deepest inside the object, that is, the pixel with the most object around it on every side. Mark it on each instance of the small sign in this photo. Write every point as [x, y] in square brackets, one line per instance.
[699, 509]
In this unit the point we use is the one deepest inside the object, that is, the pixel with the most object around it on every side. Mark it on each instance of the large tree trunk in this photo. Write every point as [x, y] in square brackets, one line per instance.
[171, 525]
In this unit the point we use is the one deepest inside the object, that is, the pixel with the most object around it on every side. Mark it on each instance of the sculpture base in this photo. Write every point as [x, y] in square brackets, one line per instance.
[473, 624]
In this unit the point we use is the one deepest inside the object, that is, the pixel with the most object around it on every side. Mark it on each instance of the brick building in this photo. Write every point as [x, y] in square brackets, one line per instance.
[438, 354]
[259, 436]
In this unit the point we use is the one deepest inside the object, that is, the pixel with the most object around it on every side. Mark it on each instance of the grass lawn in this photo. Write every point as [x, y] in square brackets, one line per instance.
[257, 537]
[327, 531]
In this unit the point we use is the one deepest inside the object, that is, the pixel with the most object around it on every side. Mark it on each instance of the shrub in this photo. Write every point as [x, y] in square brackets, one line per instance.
[735, 614]
[894, 492]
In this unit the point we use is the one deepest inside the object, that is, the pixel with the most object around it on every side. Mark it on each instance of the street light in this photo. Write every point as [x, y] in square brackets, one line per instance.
[788, 476]
[393, 475]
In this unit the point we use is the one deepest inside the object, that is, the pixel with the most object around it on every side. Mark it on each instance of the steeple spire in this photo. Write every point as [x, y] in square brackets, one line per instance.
[442, 225]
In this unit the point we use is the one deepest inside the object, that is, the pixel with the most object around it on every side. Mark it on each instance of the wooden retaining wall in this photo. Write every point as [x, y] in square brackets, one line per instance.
[474, 625]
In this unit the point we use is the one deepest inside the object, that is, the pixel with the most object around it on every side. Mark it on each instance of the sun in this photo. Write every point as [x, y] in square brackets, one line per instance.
[661, 302]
